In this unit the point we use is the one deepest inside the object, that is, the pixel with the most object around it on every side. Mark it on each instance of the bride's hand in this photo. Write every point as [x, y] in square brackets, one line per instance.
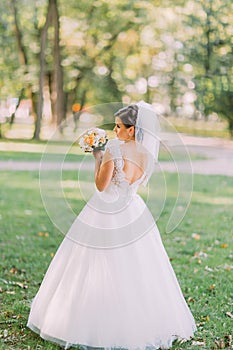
[98, 154]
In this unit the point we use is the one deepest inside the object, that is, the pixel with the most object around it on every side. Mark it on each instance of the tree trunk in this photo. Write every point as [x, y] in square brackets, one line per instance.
[12, 117]
[77, 115]
[60, 101]
[22, 56]
[230, 126]
[43, 41]
[22, 52]
[50, 81]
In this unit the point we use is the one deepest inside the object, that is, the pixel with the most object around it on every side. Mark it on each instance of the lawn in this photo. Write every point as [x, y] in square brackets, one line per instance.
[74, 155]
[200, 250]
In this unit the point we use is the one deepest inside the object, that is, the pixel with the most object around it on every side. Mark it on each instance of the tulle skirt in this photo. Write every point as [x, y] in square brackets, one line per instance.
[123, 295]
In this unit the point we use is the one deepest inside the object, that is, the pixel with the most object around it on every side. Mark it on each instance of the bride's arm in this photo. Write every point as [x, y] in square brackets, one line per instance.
[103, 169]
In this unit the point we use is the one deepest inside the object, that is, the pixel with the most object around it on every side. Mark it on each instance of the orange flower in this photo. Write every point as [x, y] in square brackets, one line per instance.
[76, 107]
[89, 140]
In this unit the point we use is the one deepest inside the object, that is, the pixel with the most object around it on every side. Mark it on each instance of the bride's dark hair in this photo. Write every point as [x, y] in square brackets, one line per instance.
[128, 115]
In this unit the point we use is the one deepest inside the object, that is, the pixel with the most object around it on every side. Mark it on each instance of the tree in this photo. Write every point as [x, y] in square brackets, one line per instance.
[212, 58]
[97, 51]
[56, 83]
[96, 54]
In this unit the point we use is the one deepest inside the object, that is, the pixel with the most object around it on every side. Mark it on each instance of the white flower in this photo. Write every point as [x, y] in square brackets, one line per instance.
[92, 138]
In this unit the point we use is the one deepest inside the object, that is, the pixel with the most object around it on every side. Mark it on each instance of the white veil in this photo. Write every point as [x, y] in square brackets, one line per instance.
[147, 133]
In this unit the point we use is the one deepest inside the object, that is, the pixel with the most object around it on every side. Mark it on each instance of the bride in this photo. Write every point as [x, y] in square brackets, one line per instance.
[111, 284]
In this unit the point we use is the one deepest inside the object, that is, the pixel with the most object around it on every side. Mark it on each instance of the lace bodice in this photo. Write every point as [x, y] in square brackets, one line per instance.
[119, 177]
[118, 174]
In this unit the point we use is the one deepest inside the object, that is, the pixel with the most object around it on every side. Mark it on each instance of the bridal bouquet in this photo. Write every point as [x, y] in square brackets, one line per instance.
[93, 139]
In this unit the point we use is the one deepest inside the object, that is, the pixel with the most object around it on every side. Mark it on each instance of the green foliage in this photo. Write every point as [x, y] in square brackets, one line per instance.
[175, 54]
[8, 58]
[212, 58]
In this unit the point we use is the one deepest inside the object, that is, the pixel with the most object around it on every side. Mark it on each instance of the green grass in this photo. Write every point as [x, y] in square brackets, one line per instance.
[72, 157]
[200, 250]
[201, 127]
[203, 132]
[35, 156]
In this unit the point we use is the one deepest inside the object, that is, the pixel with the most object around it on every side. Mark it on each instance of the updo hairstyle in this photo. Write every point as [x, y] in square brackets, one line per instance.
[128, 115]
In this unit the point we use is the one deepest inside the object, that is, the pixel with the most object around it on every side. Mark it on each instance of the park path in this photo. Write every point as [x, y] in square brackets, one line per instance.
[219, 154]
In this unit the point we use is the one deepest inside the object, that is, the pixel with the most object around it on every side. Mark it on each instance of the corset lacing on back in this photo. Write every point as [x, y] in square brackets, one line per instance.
[119, 176]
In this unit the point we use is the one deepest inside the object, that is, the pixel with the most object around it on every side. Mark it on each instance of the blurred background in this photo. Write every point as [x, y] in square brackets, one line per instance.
[58, 58]
[68, 65]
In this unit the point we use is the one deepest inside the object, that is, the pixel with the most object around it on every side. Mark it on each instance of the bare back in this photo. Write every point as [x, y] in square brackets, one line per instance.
[134, 161]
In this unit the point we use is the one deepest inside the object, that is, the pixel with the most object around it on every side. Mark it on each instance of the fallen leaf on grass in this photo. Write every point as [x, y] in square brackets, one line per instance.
[200, 255]
[228, 340]
[21, 285]
[43, 234]
[204, 319]
[15, 283]
[196, 236]
[212, 287]
[220, 343]
[224, 245]
[225, 343]
[11, 292]
[229, 314]
[191, 300]
[15, 271]
[207, 268]
[227, 267]
[198, 343]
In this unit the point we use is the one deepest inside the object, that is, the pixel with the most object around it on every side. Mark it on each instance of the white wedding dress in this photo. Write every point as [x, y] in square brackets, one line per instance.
[111, 284]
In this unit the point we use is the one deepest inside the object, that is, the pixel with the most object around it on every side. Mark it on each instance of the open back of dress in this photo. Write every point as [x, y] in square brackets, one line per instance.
[132, 163]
